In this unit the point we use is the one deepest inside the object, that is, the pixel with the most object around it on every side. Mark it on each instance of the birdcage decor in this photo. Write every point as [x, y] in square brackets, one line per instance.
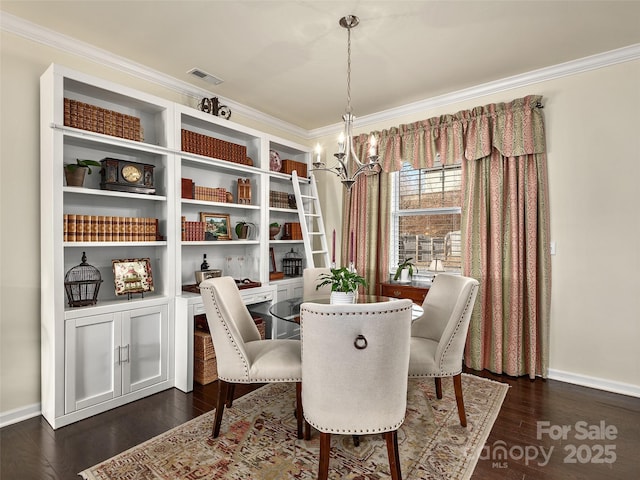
[292, 264]
[82, 283]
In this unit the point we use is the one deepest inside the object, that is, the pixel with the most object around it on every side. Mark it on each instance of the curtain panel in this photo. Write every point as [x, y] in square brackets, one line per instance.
[366, 216]
[505, 222]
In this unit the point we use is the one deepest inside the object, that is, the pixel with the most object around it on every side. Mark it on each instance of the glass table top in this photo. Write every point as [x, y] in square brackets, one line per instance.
[289, 310]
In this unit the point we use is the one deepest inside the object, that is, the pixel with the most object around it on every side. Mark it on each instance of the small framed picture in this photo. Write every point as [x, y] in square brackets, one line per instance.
[217, 226]
[132, 275]
[272, 263]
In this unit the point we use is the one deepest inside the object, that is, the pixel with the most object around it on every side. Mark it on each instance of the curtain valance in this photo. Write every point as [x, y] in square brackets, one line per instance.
[514, 128]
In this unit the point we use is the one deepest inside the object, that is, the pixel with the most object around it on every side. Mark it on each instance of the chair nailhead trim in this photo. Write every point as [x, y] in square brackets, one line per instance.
[356, 432]
[466, 307]
[224, 324]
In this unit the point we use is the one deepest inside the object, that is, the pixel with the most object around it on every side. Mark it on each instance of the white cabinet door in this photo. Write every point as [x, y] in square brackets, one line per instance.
[92, 358]
[145, 347]
[113, 354]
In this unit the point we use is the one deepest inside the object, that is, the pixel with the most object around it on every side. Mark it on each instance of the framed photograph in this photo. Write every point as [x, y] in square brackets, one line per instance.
[218, 226]
[132, 275]
[272, 263]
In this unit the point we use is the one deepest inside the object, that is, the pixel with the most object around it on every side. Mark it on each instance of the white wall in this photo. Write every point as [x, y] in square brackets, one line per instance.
[592, 126]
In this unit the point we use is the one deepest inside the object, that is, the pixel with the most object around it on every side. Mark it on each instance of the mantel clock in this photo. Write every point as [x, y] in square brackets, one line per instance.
[126, 176]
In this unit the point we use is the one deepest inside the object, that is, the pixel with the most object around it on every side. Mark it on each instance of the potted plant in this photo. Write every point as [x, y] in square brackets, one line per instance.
[274, 229]
[74, 173]
[344, 284]
[404, 272]
[244, 229]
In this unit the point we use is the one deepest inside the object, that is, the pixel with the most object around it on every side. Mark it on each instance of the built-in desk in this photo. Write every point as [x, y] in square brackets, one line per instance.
[415, 291]
[188, 305]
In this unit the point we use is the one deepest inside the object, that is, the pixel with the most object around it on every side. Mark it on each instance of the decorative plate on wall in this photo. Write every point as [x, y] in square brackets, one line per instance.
[275, 164]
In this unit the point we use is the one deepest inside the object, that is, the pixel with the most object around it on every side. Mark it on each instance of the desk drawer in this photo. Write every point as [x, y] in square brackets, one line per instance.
[416, 294]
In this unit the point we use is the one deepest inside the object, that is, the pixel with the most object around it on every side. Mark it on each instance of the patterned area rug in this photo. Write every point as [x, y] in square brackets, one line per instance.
[257, 441]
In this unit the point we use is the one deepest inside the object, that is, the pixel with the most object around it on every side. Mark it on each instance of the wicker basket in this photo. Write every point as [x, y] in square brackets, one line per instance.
[205, 365]
[205, 368]
[205, 371]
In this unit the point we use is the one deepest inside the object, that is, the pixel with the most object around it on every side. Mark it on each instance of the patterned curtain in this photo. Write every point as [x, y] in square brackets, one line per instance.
[505, 216]
[366, 221]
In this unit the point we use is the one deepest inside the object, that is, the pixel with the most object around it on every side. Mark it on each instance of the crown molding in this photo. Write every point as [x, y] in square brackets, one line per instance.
[573, 67]
[36, 33]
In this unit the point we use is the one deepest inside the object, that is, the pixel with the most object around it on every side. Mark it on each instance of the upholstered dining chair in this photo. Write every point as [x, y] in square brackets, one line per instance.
[241, 355]
[311, 278]
[354, 372]
[439, 335]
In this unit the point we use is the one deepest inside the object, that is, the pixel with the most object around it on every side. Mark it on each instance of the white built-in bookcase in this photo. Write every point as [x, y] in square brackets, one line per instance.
[101, 356]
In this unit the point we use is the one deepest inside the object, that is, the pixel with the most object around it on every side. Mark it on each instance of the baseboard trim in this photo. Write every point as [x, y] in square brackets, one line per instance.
[19, 414]
[595, 382]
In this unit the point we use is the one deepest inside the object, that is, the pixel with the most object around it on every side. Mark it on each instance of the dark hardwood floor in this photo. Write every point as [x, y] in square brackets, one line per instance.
[32, 450]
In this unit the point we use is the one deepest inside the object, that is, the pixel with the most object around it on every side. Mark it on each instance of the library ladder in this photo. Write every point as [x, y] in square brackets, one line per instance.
[311, 223]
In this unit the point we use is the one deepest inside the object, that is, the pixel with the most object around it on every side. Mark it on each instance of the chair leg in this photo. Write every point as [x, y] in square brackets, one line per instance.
[231, 392]
[394, 455]
[223, 389]
[307, 430]
[457, 386]
[299, 415]
[325, 447]
[438, 388]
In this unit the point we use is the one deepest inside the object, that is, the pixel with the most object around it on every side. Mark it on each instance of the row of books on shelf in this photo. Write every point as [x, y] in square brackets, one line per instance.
[210, 194]
[106, 228]
[96, 119]
[198, 192]
[281, 199]
[193, 231]
[214, 147]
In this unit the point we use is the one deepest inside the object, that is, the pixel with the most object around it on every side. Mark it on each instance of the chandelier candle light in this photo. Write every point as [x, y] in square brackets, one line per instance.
[349, 165]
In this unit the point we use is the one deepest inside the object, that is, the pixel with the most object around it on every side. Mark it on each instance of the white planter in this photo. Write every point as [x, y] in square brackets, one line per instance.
[343, 297]
[404, 276]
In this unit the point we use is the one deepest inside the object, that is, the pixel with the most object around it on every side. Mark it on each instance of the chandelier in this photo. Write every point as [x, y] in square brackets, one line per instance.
[349, 166]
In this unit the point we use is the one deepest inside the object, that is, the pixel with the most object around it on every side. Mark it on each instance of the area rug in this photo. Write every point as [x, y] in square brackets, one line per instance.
[257, 441]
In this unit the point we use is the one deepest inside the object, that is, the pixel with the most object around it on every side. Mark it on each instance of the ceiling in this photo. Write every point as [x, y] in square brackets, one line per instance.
[288, 58]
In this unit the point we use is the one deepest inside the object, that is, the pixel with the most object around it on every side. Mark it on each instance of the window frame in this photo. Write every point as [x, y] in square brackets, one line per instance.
[396, 213]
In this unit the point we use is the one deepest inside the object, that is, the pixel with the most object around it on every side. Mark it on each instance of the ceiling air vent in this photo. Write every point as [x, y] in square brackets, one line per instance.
[207, 77]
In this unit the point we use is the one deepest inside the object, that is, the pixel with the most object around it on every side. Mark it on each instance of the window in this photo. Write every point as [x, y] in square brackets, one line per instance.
[425, 217]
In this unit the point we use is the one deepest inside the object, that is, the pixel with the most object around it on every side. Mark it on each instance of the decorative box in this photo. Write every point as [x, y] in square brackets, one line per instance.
[292, 231]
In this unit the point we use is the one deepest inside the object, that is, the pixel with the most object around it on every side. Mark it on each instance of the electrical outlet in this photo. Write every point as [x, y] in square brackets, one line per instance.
[553, 248]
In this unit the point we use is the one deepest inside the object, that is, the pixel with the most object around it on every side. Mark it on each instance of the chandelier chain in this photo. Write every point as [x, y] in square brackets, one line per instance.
[349, 166]
[348, 69]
